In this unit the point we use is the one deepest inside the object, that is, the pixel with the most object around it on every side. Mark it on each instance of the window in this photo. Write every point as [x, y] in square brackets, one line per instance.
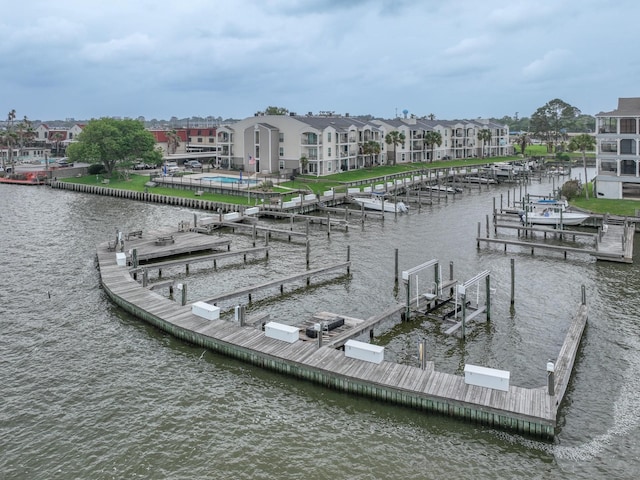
[257, 137]
[210, 139]
[609, 146]
[329, 137]
[628, 167]
[281, 137]
[628, 125]
[608, 166]
[281, 152]
[199, 139]
[329, 151]
[627, 146]
[281, 165]
[329, 167]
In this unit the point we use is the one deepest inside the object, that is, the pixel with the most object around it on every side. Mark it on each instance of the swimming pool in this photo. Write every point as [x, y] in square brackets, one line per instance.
[229, 180]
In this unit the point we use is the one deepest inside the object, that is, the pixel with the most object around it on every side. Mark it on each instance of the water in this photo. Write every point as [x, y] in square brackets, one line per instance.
[229, 180]
[91, 392]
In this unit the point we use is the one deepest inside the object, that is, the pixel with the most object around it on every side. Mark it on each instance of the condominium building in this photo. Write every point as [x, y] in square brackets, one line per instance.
[325, 144]
[617, 157]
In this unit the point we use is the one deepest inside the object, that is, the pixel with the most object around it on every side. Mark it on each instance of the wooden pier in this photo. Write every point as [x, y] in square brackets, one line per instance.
[530, 411]
[612, 242]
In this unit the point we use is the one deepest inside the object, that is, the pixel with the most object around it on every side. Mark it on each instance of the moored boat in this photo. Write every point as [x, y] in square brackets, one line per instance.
[552, 216]
[377, 202]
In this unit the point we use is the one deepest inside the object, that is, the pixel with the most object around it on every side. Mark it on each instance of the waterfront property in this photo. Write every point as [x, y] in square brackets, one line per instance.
[482, 396]
[618, 151]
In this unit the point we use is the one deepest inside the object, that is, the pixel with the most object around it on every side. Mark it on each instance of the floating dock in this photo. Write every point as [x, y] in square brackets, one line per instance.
[531, 411]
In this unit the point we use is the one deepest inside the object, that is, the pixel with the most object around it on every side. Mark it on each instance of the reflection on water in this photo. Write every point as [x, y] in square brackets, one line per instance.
[93, 392]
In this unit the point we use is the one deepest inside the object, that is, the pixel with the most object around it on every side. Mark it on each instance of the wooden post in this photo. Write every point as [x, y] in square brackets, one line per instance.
[184, 294]
[513, 281]
[487, 225]
[145, 277]
[187, 268]
[320, 335]
[307, 228]
[159, 273]
[348, 258]
[408, 307]
[308, 253]
[488, 301]
[170, 292]
[478, 241]
[584, 294]
[195, 220]
[551, 378]
[396, 267]
[464, 313]
[253, 235]
[134, 258]
[328, 224]
[291, 223]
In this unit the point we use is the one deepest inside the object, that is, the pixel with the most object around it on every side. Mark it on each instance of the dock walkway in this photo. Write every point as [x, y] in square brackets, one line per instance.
[526, 410]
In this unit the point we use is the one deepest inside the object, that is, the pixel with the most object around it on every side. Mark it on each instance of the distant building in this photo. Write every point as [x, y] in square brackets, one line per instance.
[617, 152]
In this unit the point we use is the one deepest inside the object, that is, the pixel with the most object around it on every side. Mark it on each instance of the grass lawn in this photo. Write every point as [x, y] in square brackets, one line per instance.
[320, 184]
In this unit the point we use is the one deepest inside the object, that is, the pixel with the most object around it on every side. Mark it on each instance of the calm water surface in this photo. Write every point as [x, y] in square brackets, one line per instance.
[91, 392]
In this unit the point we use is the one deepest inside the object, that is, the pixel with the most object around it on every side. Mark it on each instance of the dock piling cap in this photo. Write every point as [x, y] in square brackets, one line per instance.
[550, 366]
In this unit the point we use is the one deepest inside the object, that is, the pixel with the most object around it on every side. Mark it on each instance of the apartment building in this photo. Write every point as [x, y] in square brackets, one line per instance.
[617, 154]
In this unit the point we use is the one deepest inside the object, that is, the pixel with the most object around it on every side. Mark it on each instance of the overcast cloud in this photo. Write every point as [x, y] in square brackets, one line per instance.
[455, 59]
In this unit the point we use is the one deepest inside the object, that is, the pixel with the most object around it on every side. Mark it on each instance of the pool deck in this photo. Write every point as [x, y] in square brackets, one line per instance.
[199, 179]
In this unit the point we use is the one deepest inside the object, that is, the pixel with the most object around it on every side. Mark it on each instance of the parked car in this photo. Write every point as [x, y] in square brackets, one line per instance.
[63, 163]
[141, 166]
[192, 164]
[170, 168]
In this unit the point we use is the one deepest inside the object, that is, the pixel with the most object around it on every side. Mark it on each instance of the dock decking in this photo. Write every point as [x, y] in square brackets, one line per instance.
[526, 410]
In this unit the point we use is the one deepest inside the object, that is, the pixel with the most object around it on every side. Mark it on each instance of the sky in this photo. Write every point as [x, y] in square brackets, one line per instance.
[454, 59]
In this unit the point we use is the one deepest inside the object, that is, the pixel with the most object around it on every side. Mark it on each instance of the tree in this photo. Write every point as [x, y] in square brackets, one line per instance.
[173, 141]
[304, 163]
[369, 149]
[484, 136]
[523, 140]
[583, 142]
[431, 139]
[24, 134]
[276, 111]
[549, 121]
[57, 138]
[394, 138]
[114, 143]
[8, 138]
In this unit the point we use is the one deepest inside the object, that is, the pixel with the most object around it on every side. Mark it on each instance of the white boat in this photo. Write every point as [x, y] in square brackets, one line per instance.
[376, 202]
[440, 188]
[549, 203]
[552, 216]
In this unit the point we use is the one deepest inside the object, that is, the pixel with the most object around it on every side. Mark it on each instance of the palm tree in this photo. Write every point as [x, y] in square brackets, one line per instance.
[583, 142]
[57, 138]
[9, 137]
[523, 140]
[173, 141]
[484, 136]
[25, 134]
[431, 139]
[304, 163]
[370, 148]
[394, 138]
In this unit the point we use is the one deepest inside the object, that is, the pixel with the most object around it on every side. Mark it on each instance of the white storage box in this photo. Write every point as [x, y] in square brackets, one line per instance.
[487, 377]
[364, 351]
[252, 211]
[121, 259]
[283, 332]
[206, 310]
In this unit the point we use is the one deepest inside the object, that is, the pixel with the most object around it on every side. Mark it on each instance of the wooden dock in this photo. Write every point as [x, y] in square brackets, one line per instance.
[613, 242]
[530, 411]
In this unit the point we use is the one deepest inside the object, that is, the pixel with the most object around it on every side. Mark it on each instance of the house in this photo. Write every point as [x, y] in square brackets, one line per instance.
[617, 152]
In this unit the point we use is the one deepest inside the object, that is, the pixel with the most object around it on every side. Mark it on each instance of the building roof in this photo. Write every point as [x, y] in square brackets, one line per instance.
[626, 106]
[340, 123]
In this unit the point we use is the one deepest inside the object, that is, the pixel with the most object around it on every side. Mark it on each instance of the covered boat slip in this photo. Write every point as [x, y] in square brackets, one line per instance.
[526, 410]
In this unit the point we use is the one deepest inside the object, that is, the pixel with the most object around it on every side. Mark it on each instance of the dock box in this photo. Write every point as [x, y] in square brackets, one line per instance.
[353, 190]
[252, 211]
[310, 197]
[486, 377]
[205, 310]
[283, 332]
[121, 259]
[364, 351]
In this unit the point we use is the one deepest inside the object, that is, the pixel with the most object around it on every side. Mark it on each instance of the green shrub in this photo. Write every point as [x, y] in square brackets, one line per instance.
[96, 169]
[563, 156]
[571, 189]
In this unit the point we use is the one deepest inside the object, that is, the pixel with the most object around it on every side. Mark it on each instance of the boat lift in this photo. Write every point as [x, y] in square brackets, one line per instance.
[435, 297]
[461, 302]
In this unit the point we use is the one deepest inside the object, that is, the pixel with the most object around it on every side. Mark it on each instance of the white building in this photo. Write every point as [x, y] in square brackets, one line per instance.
[617, 151]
